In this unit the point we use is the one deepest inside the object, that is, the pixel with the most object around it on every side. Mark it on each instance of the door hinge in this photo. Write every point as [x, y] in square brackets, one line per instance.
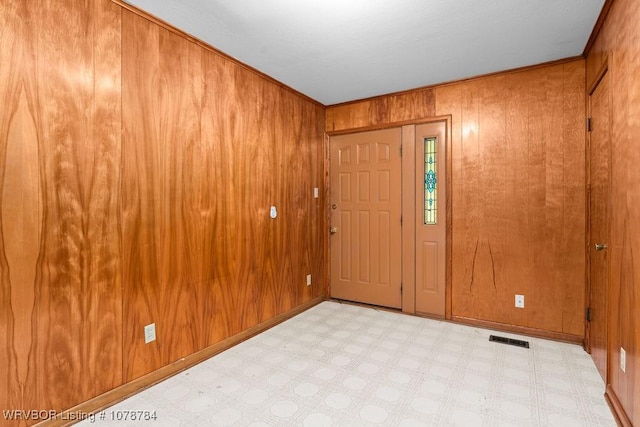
[587, 314]
[400, 220]
[400, 288]
[588, 124]
[400, 150]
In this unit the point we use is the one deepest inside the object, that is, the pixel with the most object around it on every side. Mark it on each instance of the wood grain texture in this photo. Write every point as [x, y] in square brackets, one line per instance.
[517, 221]
[618, 44]
[107, 224]
[20, 207]
[60, 145]
[381, 110]
[79, 292]
[517, 213]
[545, 207]
[209, 146]
[517, 192]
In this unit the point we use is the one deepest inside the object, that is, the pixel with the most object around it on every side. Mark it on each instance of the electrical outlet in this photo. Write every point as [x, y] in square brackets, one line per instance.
[623, 360]
[316, 192]
[308, 280]
[520, 301]
[149, 333]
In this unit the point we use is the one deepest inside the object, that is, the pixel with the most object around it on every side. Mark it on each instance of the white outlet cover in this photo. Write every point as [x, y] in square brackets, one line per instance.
[308, 280]
[519, 301]
[273, 212]
[316, 193]
[149, 333]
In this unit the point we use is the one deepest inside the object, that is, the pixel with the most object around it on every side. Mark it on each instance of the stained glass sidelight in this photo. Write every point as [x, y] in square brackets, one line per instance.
[431, 181]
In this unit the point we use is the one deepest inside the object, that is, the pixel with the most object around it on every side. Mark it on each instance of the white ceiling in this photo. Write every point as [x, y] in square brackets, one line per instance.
[342, 50]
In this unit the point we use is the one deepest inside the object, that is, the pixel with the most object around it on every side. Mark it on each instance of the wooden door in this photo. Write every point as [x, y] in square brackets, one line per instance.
[599, 168]
[431, 227]
[365, 217]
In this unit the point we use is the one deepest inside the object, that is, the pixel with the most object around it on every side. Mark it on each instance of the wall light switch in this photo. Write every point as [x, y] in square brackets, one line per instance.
[149, 333]
[623, 360]
[316, 193]
[308, 280]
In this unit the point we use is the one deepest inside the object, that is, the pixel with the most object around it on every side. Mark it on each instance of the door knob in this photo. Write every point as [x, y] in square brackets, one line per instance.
[334, 206]
[333, 230]
[600, 247]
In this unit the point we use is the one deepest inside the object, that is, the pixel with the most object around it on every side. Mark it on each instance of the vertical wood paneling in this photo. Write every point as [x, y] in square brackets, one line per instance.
[64, 86]
[490, 194]
[518, 276]
[545, 166]
[137, 169]
[78, 295]
[60, 169]
[143, 179]
[573, 218]
[104, 278]
[470, 195]
[20, 207]
[209, 147]
[509, 198]
[214, 154]
[618, 44]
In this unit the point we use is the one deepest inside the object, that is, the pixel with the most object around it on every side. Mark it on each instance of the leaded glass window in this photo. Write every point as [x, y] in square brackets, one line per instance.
[431, 180]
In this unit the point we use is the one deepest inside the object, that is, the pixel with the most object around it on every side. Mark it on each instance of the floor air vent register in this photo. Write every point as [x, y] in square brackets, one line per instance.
[509, 341]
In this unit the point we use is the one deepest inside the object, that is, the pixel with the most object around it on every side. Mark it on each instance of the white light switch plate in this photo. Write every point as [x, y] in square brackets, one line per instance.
[623, 360]
[308, 280]
[520, 301]
[316, 193]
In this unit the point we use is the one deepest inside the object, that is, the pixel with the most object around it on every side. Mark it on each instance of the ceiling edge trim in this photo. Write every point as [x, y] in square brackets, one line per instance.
[597, 27]
[207, 46]
[453, 82]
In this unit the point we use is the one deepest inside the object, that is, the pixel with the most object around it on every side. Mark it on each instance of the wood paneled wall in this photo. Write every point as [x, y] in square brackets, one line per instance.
[137, 169]
[518, 191]
[59, 180]
[618, 45]
[201, 167]
[518, 197]
[382, 110]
